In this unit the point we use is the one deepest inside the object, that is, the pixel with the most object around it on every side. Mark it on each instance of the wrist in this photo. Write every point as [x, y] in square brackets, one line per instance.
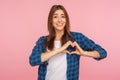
[84, 53]
[57, 51]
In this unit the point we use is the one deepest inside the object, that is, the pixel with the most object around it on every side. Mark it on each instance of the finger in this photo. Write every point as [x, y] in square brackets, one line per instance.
[69, 43]
[70, 53]
[73, 45]
[66, 51]
[78, 47]
[73, 52]
[66, 45]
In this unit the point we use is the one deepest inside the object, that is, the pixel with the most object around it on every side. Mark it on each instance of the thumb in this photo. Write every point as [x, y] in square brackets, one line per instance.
[73, 52]
[66, 51]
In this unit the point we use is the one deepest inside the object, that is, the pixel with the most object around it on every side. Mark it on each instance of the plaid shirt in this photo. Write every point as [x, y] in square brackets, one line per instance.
[72, 60]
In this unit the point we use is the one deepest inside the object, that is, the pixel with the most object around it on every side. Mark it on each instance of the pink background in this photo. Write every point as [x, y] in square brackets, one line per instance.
[22, 22]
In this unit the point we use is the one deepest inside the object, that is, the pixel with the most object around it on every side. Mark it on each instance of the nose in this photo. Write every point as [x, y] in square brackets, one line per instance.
[59, 19]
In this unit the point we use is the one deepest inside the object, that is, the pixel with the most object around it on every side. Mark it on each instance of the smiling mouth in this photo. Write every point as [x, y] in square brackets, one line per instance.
[61, 24]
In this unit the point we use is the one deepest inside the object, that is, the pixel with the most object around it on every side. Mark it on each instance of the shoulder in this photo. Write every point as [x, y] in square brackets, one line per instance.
[41, 39]
[76, 33]
[79, 35]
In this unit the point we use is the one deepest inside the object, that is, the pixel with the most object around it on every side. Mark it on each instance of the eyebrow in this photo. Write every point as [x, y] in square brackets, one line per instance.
[57, 14]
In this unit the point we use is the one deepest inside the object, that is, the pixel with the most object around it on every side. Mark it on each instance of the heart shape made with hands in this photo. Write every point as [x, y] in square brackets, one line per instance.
[76, 49]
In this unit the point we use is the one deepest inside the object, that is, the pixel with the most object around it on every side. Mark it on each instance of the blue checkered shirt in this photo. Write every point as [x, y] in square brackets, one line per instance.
[72, 60]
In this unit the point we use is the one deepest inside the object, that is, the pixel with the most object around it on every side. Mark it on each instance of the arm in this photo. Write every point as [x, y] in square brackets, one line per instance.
[80, 51]
[47, 55]
[39, 57]
[93, 54]
[35, 57]
[90, 48]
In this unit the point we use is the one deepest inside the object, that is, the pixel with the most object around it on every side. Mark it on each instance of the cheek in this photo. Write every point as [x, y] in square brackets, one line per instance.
[54, 21]
[64, 20]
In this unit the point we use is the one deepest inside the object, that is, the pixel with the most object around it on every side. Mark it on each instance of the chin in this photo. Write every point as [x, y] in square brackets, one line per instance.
[60, 28]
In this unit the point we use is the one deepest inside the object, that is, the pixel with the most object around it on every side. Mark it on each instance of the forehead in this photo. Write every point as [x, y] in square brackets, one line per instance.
[59, 12]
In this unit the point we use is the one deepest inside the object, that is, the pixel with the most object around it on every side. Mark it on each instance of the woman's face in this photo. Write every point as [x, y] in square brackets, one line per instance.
[59, 20]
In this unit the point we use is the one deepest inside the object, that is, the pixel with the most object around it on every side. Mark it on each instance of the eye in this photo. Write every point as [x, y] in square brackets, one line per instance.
[63, 16]
[55, 16]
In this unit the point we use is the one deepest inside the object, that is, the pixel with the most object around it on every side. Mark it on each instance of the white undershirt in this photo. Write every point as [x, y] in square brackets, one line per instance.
[57, 65]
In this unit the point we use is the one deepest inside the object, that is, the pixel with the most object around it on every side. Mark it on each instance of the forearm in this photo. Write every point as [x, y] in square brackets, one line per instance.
[47, 55]
[93, 54]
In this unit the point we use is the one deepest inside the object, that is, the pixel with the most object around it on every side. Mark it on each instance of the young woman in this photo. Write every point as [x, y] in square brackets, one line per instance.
[57, 54]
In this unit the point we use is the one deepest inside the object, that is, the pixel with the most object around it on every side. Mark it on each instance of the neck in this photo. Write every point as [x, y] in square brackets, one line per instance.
[59, 34]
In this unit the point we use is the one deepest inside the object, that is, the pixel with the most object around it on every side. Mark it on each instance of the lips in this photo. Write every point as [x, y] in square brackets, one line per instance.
[60, 24]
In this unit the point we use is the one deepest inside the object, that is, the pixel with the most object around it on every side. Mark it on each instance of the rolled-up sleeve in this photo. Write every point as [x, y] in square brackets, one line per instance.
[35, 57]
[89, 45]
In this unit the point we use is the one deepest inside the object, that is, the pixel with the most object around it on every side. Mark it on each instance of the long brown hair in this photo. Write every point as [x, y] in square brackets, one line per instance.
[49, 42]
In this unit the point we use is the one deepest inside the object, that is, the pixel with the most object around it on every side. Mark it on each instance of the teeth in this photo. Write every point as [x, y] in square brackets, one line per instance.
[59, 25]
